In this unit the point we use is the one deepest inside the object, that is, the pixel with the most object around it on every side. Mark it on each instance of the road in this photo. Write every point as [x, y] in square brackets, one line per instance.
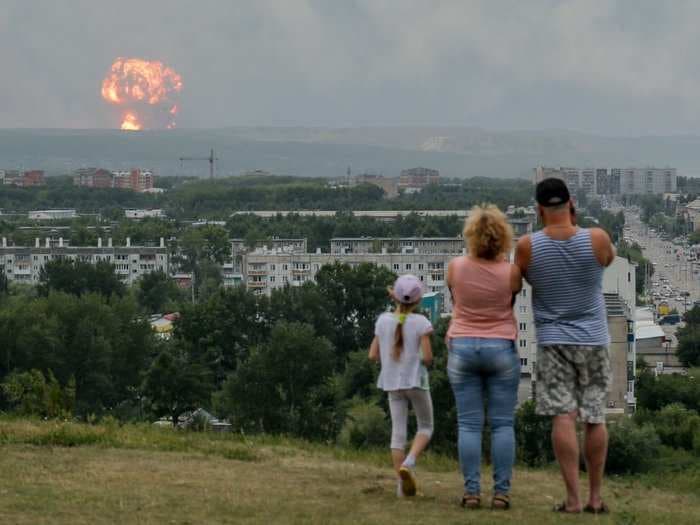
[670, 262]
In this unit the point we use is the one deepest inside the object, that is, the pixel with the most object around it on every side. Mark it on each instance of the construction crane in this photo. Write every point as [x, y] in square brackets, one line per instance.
[210, 158]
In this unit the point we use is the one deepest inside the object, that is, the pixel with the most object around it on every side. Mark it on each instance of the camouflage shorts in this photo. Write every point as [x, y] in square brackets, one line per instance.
[572, 378]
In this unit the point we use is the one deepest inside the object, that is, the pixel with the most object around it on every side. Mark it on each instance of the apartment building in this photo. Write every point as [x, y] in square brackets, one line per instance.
[404, 245]
[138, 179]
[24, 179]
[24, 263]
[415, 179]
[614, 181]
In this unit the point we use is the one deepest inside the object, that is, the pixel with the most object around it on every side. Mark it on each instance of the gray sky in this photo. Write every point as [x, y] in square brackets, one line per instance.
[611, 67]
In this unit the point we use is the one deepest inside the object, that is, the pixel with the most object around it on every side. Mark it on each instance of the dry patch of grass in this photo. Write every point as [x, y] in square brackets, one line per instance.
[141, 475]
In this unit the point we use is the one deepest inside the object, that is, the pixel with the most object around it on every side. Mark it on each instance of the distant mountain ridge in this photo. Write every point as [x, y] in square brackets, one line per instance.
[327, 152]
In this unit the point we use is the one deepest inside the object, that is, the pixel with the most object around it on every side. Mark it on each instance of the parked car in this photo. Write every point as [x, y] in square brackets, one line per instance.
[670, 319]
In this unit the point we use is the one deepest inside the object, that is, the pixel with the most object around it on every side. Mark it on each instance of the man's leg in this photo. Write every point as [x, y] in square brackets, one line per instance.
[556, 396]
[592, 410]
[595, 451]
[566, 450]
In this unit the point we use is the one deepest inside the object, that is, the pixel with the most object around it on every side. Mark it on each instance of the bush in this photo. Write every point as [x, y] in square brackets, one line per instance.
[532, 436]
[677, 426]
[631, 448]
[365, 425]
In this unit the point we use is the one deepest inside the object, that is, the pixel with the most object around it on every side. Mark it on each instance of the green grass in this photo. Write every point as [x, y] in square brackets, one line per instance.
[69, 473]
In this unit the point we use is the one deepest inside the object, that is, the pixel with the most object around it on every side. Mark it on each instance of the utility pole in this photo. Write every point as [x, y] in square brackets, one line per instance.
[211, 158]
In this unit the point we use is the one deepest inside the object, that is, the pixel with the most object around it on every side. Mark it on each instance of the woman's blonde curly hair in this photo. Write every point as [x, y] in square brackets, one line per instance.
[487, 231]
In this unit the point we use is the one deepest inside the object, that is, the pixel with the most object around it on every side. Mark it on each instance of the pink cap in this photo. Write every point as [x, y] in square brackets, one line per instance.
[408, 289]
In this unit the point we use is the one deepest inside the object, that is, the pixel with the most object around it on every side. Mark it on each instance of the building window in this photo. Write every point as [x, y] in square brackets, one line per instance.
[272, 278]
[629, 277]
[284, 267]
[272, 266]
[523, 326]
[408, 266]
[396, 267]
[524, 292]
[420, 266]
[523, 309]
[523, 361]
[523, 343]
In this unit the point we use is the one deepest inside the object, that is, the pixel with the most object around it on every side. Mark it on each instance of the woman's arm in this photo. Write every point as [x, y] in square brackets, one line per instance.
[427, 349]
[374, 350]
[516, 278]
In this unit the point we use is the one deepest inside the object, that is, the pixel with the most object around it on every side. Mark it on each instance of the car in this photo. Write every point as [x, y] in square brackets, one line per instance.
[670, 319]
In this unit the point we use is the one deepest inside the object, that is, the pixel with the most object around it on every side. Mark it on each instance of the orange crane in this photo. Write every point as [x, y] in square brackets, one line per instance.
[211, 158]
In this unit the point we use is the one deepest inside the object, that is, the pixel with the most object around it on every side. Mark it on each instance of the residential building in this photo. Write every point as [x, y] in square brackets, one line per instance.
[413, 245]
[614, 181]
[588, 182]
[24, 179]
[24, 263]
[415, 179]
[93, 178]
[134, 180]
[137, 179]
[144, 214]
[52, 215]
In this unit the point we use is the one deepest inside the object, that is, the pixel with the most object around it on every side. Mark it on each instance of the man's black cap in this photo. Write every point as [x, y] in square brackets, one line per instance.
[551, 192]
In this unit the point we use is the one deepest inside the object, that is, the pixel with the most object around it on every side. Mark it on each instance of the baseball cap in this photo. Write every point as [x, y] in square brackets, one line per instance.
[551, 192]
[407, 289]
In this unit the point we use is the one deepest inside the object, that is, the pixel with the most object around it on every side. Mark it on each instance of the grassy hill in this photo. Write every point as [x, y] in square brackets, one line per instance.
[70, 473]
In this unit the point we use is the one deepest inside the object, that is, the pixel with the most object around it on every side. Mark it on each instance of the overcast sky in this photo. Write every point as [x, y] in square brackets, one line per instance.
[611, 67]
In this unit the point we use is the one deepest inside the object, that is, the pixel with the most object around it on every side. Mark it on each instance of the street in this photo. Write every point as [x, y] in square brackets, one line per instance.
[675, 278]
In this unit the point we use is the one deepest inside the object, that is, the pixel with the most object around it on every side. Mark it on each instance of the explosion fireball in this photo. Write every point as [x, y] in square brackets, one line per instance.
[145, 91]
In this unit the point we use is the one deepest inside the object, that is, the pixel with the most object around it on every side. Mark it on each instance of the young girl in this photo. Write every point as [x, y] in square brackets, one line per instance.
[399, 338]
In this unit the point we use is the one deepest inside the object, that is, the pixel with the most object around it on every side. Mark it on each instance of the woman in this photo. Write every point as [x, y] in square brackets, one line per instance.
[482, 358]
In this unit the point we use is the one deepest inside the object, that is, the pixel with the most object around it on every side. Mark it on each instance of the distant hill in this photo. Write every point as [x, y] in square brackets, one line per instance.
[327, 152]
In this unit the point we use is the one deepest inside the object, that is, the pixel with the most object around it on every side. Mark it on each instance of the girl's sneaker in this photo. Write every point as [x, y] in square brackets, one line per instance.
[408, 481]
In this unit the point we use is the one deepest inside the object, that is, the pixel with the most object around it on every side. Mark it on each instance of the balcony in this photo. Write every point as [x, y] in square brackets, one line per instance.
[300, 271]
[257, 284]
[257, 272]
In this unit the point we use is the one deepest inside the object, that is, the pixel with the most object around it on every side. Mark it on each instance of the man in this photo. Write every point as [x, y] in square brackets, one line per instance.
[565, 264]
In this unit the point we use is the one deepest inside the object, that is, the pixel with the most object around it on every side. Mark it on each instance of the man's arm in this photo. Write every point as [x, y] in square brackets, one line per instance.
[602, 246]
[523, 252]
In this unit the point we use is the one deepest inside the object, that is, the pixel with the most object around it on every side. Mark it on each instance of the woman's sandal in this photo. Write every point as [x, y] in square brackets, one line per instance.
[500, 502]
[471, 501]
[603, 509]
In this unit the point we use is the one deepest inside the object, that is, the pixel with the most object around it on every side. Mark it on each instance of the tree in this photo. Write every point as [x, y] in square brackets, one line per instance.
[78, 278]
[689, 338]
[155, 290]
[284, 385]
[174, 384]
[357, 295]
[221, 330]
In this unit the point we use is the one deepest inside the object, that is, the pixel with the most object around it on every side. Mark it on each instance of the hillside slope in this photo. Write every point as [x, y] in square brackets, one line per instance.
[66, 473]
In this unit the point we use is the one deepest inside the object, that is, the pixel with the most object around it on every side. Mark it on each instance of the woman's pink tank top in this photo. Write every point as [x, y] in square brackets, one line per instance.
[482, 297]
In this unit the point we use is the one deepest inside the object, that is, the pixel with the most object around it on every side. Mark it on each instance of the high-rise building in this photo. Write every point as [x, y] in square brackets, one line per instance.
[615, 181]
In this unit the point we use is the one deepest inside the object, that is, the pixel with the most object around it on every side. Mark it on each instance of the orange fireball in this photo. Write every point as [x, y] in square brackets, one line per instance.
[131, 122]
[142, 87]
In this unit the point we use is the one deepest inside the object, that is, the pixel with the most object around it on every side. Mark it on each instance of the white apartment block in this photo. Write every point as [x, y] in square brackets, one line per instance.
[23, 264]
[615, 181]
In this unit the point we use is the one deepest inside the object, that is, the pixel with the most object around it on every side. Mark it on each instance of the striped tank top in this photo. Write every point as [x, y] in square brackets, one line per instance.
[567, 291]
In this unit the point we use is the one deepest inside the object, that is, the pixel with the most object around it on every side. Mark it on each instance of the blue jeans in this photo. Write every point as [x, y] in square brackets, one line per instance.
[476, 365]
